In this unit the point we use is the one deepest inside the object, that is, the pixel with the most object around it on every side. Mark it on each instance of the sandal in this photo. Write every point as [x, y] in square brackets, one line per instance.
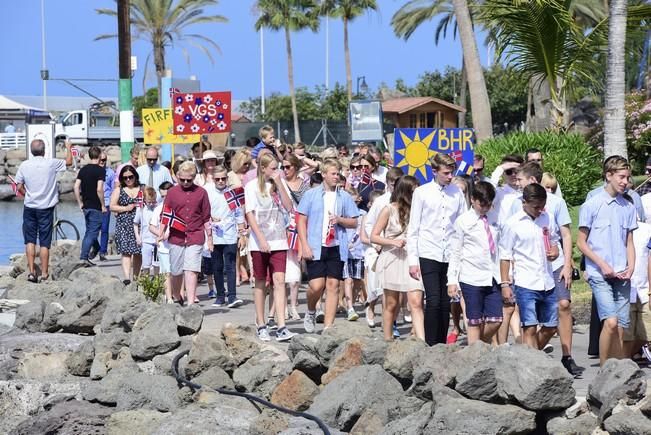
[32, 278]
[44, 278]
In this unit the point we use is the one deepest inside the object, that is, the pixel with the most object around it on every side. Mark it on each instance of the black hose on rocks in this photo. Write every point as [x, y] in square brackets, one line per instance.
[182, 380]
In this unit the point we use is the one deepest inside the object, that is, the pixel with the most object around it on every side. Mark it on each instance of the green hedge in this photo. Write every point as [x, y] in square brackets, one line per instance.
[575, 164]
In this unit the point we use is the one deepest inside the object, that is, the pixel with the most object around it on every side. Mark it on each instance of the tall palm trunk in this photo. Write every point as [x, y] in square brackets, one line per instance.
[292, 93]
[481, 108]
[159, 63]
[349, 77]
[462, 95]
[614, 116]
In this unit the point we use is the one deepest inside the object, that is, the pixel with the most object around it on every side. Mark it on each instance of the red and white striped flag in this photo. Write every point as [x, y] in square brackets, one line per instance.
[14, 187]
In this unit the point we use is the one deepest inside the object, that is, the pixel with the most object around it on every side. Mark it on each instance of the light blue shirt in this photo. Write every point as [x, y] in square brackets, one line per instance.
[311, 206]
[109, 182]
[637, 201]
[161, 174]
[609, 220]
[224, 232]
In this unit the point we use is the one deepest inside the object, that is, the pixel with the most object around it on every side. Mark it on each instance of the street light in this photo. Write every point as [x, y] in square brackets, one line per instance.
[363, 87]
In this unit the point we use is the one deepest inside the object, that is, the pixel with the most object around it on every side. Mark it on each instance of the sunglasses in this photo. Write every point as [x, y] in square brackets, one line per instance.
[129, 177]
[286, 167]
[221, 178]
[185, 180]
[509, 172]
[152, 160]
[102, 160]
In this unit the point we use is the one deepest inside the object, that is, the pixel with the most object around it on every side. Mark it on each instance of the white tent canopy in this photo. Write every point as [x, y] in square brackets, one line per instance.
[13, 110]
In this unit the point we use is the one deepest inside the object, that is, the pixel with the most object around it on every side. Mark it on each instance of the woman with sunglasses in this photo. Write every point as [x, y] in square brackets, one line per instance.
[208, 163]
[367, 165]
[123, 203]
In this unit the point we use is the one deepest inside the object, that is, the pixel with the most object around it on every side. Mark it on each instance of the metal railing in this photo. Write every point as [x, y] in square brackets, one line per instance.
[12, 140]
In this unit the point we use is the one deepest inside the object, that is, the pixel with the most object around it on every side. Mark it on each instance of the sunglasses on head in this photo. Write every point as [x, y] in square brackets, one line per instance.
[509, 172]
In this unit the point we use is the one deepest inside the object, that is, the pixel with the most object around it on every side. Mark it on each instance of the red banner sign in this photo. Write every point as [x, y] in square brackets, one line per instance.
[202, 112]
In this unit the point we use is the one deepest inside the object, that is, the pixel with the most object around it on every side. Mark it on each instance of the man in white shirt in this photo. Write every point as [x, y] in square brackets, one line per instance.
[153, 174]
[434, 208]
[508, 191]
[535, 155]
[37, 180]
[556, 208]
[529, 244]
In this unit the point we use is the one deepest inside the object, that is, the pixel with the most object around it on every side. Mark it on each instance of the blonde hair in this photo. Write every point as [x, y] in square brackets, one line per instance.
[329, 153]
[549, 182]
[265, 130]
[241, 158]
[299, 146]
[219, 169]
[263, 163]
[345, 163]
[188, 167]
[330, 163]
[149, 194]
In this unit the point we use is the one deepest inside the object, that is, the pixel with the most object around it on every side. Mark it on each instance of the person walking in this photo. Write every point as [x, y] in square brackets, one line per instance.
[188, 219]
[109, 182]
[434, 209]
[36, 180]
[153, 174]
[124, 202]
[89, 193]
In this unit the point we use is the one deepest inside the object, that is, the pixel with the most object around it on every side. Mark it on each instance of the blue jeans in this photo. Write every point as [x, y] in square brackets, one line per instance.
[93, 220]
[104, 235]
[537, 307]
[612, 297]
[223, 262]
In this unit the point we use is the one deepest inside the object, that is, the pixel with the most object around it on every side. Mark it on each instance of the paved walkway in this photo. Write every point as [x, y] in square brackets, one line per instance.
[215, 318]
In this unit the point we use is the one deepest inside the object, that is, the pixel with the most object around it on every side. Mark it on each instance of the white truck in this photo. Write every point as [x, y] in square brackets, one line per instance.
[95, 126]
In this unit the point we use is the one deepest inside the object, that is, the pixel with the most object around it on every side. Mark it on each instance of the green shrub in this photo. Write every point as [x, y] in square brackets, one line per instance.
[575, 164]
[152, 286]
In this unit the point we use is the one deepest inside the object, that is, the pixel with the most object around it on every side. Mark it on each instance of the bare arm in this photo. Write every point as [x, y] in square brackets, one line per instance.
[582, 244]
[100, 194]
[77, 189]
[566, 243]
[630, 257]
[380, 226]
[68, 152]
[363, 236]
[346, 222]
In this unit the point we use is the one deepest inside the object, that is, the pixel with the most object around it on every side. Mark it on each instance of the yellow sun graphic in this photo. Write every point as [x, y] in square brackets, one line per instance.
[416, 152]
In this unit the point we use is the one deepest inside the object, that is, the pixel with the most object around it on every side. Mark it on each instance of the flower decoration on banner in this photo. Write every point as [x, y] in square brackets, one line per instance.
[201, 109]
[180, 128]
[179, 99]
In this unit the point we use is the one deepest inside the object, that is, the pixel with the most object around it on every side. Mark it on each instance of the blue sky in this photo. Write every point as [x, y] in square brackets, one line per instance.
[71, 25]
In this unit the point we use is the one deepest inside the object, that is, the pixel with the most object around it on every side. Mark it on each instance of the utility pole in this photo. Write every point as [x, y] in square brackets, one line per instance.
[124, 91]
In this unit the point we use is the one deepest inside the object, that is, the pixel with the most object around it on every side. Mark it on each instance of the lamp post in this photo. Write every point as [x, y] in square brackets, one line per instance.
[363, 87]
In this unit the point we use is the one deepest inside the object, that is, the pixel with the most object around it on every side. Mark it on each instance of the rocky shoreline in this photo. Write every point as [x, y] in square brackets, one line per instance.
[88, 355]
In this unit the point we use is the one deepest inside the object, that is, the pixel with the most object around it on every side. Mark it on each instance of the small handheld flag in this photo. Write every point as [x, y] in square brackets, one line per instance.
[234, 197]
[14, 187]
[546, 241]
[292, 232]
[366, 178]
[140, 202]
[170, 219]
[331, 234]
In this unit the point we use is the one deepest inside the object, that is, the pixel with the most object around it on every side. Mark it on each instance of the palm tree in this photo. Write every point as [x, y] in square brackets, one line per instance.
[481, 108]
[552, 43]
[614, 115]
[292, 16]
[347, 10]
[414, 13]
[163, 23]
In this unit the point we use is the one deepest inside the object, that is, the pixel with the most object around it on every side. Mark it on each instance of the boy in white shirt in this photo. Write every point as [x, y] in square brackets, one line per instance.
[145, 238]
[474, 265]
[529, 242]
[163, 244]
[435, 207]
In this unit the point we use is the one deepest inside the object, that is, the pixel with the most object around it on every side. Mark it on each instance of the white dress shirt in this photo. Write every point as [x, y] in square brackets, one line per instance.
[471, 261]
[434, 209]
[522, 242]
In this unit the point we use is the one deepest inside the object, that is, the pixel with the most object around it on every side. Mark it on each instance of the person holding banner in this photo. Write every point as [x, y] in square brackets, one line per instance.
[36, 179]
[227, 221]
[267, 204]
[434, 209]
[124, 202]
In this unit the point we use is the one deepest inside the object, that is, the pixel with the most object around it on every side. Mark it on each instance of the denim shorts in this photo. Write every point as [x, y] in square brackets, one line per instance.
[562, 292]
[483, 304]
[612, 297]
[37, 224]
[537, 307]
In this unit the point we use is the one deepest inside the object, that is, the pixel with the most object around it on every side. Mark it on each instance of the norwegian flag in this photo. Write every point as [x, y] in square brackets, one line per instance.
[330, 236]
[456, 155]
[292, 232]
[546, 240]
[174, 91]
[14, 187]
[366, 178]
[170, 219]
[234, 197]
[140, 202]
[75, 152]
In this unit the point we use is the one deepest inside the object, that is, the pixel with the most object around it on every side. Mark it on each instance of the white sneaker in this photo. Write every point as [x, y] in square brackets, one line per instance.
[548, 348]
[370, 320]
[320, 316]
[646, 351]
[352, 315]
[284, 334]
[294, 314]
[263, 334]
[236, 303]
[309, 322]
[408, 318]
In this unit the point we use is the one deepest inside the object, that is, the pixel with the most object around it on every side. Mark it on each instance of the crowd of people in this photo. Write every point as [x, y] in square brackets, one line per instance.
[491, 253]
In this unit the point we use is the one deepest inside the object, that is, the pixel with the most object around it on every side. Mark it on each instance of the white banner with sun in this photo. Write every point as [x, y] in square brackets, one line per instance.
[414, 148]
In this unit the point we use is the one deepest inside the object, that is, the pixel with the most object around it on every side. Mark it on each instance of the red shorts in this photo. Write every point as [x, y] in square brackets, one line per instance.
[266, 263]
